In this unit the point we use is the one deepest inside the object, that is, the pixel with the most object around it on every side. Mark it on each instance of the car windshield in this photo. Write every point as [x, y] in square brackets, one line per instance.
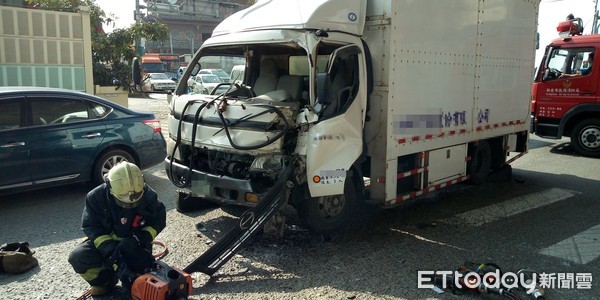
[210, 79]
[158, 76]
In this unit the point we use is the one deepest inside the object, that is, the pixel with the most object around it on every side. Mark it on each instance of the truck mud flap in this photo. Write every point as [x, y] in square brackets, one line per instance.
[249, 224]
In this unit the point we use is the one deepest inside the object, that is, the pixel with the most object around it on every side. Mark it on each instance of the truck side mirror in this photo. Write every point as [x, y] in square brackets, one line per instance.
[136, 73]
[546, 75]
[323, 87]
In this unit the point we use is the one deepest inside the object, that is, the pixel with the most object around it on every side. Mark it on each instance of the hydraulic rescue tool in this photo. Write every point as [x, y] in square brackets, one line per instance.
[162, 283]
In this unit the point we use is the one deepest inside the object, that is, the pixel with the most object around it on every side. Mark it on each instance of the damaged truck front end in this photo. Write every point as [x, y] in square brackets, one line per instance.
[229, 151]
[294, 96]
[229, 146]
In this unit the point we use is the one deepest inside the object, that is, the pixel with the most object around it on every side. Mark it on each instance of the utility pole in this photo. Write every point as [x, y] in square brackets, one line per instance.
[137, 17]
[595, 25]
[136, 13]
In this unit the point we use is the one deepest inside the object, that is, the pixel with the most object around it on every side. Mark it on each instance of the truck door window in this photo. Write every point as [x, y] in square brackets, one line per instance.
[558, 59]
[342, 70]
[566, 63]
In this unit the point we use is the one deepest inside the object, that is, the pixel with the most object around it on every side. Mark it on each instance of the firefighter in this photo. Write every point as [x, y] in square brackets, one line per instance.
[121, 218]
[583, 71]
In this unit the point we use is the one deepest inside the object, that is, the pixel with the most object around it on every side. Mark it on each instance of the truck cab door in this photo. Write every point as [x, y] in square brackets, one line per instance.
[336, 139]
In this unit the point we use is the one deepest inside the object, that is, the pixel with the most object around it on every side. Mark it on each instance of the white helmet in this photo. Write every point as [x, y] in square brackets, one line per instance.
[126, 184]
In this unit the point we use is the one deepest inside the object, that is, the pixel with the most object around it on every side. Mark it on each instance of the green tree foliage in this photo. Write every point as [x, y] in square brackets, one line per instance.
[111, 52]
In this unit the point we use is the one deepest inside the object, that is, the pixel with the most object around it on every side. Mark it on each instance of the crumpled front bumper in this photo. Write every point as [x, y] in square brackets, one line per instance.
[215, 188]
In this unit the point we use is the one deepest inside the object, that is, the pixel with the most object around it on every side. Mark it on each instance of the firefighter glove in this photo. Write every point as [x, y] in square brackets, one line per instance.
[108, 249]
[144, 237]
[129, 245]
[126, 276]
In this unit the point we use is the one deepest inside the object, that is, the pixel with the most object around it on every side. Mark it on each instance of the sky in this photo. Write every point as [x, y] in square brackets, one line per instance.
[122, 9]
[551, 12]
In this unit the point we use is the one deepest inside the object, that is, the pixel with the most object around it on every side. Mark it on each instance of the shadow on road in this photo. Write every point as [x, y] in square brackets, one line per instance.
[395, 243]
[533, 144]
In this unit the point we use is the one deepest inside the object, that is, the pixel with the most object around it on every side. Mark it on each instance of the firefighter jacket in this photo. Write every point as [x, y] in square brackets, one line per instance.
[105, 223]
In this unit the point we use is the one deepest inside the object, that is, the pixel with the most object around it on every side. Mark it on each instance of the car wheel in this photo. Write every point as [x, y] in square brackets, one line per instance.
[585, 138]
[329, 214]
[481, 160]
[107, 161]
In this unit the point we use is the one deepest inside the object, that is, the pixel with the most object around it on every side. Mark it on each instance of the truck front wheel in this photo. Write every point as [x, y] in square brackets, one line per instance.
[328, 214]
[585, 137]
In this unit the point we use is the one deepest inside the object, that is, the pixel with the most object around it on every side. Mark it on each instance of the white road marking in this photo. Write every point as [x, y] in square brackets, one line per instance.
[418, 237]
[580, 248]
[491, 213]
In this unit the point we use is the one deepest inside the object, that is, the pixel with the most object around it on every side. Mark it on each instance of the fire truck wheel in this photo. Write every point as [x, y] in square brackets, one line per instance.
[479, 165]
[329, 214]
[585, 137]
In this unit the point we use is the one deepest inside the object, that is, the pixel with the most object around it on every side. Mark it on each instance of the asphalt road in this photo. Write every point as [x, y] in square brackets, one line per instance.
[545, 218]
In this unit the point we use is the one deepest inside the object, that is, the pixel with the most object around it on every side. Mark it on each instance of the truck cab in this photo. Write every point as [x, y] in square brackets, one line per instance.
[565, 101]
[300, 98]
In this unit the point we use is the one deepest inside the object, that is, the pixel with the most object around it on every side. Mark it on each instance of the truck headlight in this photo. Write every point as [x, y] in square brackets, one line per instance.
[267, 163]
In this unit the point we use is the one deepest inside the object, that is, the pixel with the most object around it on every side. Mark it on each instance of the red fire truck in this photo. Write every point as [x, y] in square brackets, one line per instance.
[565, 99]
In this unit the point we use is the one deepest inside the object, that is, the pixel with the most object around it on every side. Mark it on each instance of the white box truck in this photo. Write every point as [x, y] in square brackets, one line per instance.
[347, 101]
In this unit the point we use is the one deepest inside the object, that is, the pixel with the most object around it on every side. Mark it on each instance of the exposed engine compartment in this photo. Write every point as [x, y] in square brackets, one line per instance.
[240, 139]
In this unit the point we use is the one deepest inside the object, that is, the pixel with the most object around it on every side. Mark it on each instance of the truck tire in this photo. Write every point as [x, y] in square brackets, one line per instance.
[481, 159]
[585, 137]
[329, 214]
[184, 202]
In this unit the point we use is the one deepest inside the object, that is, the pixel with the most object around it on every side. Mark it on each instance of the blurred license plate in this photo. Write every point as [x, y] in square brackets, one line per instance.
[201, 185]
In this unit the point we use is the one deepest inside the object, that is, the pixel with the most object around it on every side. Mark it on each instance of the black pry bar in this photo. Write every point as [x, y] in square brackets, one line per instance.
[249, 224]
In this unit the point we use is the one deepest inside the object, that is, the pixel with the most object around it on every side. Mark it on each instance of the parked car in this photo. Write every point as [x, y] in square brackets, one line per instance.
[219, 72]
[158, 82]
[51, 137]
[204, 83]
